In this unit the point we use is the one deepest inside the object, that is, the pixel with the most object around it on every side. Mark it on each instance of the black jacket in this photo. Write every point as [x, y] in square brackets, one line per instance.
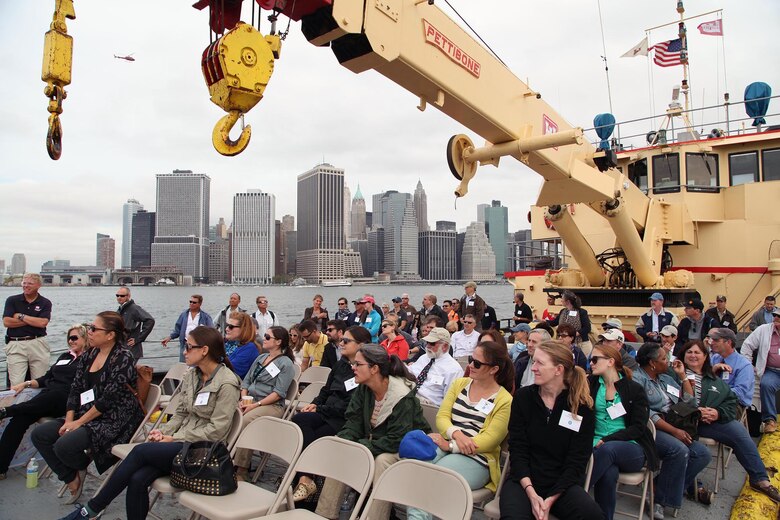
[59, 377]
[488, 319]
[552, 456]
[685, 326]
[138, 325]
[329, 357]
[521, 365]
[334, 398]
[634, 400]
[728, 320]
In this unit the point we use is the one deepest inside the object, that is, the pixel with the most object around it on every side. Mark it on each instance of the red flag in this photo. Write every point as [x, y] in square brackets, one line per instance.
[668, 53]
[713, 28]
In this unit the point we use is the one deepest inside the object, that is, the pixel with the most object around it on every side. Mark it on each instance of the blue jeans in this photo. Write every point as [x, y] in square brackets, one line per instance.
[679, 467]
[735, 436]
[770, 384]
[609, 460]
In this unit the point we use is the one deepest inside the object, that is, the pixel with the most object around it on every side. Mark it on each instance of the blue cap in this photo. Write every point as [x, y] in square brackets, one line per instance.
[657, 296]
[521, 327]
[417, 445]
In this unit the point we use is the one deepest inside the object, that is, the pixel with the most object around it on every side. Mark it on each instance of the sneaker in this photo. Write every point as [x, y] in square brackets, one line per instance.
[80, 513]
[770, 426]
[658, 512]
[704, 495]
[769, 490]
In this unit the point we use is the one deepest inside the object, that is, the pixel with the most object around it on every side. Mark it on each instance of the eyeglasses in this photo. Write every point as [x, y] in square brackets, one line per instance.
[342, 303]
[73, 338]
[478, 364]
[93, 328]
[268, 337]
[386, 325]
[189, 347]
[194, 302]
[468, 322]
[595, 359]
[306, 336]
[121, 295]
[228, 326]
[345, 341]
[359, 364]
[330, 329]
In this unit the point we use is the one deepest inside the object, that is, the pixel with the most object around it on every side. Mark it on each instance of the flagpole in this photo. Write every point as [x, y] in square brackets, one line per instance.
[684, 19]
[606, 67]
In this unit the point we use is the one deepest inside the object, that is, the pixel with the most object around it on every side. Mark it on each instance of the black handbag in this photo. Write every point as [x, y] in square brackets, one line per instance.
[204, 467]
[685, 417]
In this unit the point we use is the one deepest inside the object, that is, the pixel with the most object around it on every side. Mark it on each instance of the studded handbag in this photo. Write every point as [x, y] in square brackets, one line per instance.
[204, 467]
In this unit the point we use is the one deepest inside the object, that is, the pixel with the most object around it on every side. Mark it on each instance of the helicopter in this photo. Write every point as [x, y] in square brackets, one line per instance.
[129, 57]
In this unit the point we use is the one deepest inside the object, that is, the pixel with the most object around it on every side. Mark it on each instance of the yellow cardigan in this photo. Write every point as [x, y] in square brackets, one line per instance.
[493, 432]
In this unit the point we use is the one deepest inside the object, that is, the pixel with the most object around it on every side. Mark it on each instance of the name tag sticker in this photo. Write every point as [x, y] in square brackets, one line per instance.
[470, 303]
[616, 411]
[88, 396]
[672, 391]
[368, 320]
[272, 369]
[690, 377]
[726, 324]
[62, 362]
[202, 399]
[436, 380]
[569, 422]
[485, 406]
[573, 313]
[350, 384]
[725, 376]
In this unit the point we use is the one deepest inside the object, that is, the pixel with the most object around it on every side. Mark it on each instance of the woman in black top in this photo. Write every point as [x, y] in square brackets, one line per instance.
[573, 314]
[550, 441]
[49, 402]
[325, 415]
[622, 442]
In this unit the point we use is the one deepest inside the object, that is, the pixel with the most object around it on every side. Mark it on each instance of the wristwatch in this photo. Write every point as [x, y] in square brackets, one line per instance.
[21, 317]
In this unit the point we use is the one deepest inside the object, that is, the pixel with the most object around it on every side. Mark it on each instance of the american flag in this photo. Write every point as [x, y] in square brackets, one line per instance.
[667, 54]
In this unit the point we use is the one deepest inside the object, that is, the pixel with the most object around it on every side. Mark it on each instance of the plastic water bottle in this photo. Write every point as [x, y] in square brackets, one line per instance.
[349, 501]
[32, 474]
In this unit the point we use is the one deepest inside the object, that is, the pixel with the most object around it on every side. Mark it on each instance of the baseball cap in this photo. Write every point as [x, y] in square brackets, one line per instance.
[437, 334]
[694, 303]
[613, 334]
[521, 327]
[776, 312]
[723, 333]
[669, 330]
[397, 299]
[657, 296]
[612, 323]
[368, 299]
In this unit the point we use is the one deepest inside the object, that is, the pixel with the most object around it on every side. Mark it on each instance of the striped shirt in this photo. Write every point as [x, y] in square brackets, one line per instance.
[696, 382]
[468, 419]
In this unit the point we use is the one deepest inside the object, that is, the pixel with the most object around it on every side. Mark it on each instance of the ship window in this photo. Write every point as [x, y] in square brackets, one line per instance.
[743, 168]
[770, 164]
[701, 171]
[637, 173]
[666, 173]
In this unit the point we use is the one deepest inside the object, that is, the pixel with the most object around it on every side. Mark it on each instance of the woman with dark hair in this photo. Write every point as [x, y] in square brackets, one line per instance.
[566, 335]
[473, 420]
[102, 409]
[325, 415]
[266, 383]
[682, 457]
[394, 342]
[240, 342]
[209, 392]
[622, 440]
[492, 335]
[573, 314]
[718, 407]
[49, 402]
[296, 343]
[550, 441]
[382, 410]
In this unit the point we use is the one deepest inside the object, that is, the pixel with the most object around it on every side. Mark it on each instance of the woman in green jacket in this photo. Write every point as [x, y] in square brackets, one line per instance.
[718, 406]
[382, 410]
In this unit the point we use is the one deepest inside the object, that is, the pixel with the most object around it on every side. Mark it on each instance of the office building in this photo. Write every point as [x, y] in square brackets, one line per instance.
[376, 252]
[2, 268]
[437, 259]
[18, 264]
[287, 254]
[421, 207]
[254, 216]
[478, 259]
[394, 212]
[320, 238]
[497, 230]
[353, 268]
[358, 214]
[129, 209]
[446, 225]
[347, 213]
[361, 246]
[219, 260]
[143, 236]
[106, 251]
[182, 223]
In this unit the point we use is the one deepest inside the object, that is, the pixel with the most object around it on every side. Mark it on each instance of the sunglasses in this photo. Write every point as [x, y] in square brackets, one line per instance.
[230, 327]
[595, 359]
[189, 347]
[93, 328]
[345, 341]
[478, 364]
[469, 322]
[193, 302]
[73, 338]
[269, 337]
[121, 296]
[386, 325]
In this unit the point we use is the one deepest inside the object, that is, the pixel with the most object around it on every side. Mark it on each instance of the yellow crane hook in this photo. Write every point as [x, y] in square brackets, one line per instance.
[220, 137]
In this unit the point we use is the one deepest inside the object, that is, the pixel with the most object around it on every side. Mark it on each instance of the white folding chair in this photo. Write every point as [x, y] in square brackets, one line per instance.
[292, 395]
[122, 450]
[171, 382]
[446, 494]
[483, 495]
[492, 509]
[308, 395]
[278, 438]
[429, 412]
[642, 478]
[331, 457]
[720, 460]
[314, 374]
[163, 484]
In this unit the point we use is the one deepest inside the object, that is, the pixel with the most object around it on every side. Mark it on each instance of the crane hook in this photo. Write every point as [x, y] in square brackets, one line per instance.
[220, 137]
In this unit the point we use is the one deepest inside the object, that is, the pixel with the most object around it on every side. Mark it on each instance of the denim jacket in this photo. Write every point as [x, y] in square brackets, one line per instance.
[658, 396]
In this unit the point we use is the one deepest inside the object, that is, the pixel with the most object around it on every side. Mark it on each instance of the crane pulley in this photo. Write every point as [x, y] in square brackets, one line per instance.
[56, 72]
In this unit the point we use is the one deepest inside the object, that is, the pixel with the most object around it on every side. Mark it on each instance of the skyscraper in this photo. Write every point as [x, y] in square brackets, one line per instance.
[129, 209]
[182, 235]
[437, 255]
[320, 237]
[394, 212]
[254, 216]
[358, 225]
[219, 260]
[347, 213]
[478, 259]
[18, 264]
[105, 252]
[143, 236]
[497, 228]
[2, 267]
[421, 207]
[288, 255]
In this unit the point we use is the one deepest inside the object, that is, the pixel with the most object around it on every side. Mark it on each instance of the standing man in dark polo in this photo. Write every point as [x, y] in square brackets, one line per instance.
[722, 316]
[138, 322]
[25, 318]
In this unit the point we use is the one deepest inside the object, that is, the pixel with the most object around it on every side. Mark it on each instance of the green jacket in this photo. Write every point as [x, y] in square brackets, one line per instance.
[717, 394]
[401, 413]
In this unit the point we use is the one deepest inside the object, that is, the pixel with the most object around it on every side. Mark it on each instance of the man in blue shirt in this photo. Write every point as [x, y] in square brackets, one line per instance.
[733, 368]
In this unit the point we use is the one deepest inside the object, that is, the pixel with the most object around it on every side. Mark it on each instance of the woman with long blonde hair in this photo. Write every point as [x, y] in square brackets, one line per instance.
[550, 441]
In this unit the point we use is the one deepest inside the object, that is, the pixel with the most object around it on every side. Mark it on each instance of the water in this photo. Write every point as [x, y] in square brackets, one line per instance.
[80, 304]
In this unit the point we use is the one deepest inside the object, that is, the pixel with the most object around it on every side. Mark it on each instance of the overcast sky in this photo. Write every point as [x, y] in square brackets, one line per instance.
[124, 121]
